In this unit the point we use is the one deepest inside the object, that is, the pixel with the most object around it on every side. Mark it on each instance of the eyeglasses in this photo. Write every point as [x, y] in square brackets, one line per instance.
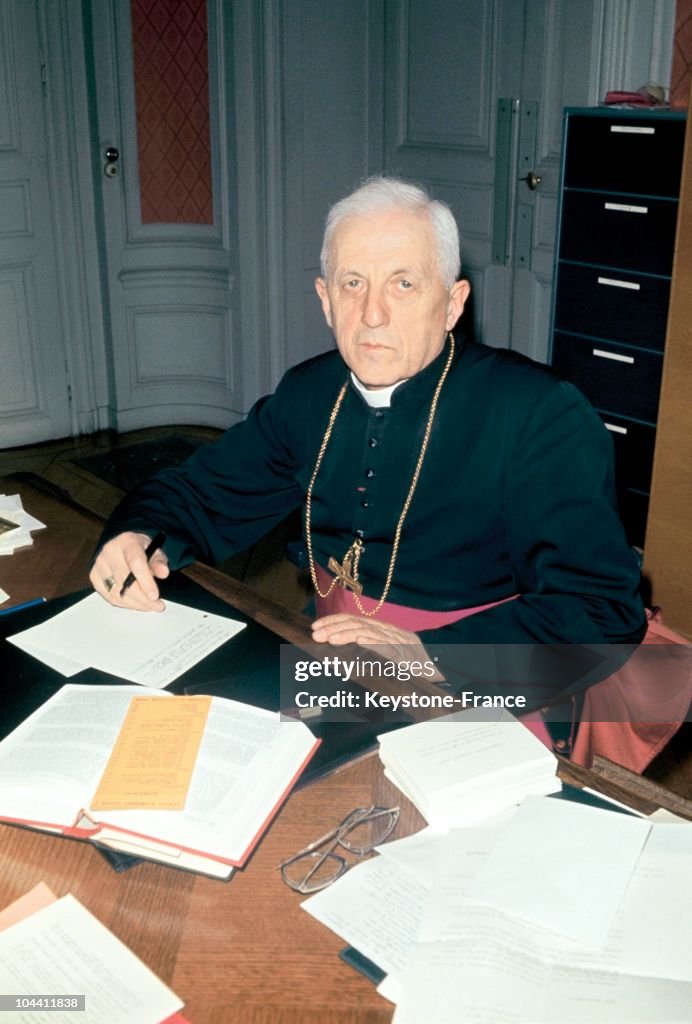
[317, 866]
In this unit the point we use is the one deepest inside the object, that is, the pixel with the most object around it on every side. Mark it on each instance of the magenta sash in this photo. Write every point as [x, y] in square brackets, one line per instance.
[401, 615]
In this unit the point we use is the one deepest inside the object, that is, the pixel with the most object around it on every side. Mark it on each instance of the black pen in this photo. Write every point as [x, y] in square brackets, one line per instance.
[151, 547]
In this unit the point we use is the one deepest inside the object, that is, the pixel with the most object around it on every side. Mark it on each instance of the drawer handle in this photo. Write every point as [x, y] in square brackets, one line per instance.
[612, 355]
[625, 208]
[612, 283]
[615, 428]
[632, 129]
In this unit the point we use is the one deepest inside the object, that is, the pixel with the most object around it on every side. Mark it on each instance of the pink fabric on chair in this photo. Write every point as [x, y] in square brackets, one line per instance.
[630, 716]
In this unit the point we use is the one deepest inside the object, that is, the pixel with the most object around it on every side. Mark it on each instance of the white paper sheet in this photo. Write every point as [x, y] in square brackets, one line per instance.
[562, 865]
[11, 509]
[376, 907]
[63, 949]
[643, 973]
[482, 982]
[460, 857]
[151, 649]
[417, 853]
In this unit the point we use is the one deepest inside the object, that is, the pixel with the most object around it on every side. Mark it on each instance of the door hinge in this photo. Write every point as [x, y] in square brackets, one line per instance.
[506, 146]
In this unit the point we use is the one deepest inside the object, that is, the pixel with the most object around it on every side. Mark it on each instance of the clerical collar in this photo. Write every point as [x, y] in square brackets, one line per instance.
[413, 392]
[379, 398]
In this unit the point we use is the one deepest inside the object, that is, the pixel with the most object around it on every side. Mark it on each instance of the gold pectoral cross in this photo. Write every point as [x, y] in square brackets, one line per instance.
[345, 572]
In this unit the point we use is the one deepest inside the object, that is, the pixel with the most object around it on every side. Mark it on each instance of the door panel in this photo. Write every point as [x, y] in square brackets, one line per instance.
[171, 287]
[442, 129]
[330, 95]
[34, 392]
[441, 123]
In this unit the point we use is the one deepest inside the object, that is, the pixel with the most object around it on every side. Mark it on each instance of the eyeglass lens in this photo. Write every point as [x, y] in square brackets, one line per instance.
[359, 833]
[364, 834]
[314, 871]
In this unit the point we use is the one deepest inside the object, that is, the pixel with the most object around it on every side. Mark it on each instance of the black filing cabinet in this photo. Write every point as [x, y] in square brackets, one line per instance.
[616, 232]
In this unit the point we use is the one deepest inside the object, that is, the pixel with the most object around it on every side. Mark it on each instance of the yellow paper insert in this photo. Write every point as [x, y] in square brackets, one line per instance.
[152, 761]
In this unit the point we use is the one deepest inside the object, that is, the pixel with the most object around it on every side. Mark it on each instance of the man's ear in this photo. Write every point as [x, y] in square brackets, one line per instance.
[321, 289]
[457, 300]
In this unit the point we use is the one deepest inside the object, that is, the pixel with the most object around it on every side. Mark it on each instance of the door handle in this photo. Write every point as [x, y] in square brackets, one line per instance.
[110, 168]
[532, 180]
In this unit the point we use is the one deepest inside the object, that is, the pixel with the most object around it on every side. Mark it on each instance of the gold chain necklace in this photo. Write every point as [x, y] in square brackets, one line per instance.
[347, 570]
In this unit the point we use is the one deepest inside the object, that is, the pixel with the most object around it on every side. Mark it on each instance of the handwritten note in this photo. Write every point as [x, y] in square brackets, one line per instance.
[151, 650]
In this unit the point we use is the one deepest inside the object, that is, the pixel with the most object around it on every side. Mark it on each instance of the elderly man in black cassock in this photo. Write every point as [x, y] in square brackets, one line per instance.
[452, 493]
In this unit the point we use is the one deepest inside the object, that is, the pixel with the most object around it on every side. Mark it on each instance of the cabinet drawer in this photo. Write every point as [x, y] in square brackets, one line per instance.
[633, 444]
[640, 155]
[631, 308]
[614, 378]
[617, 231]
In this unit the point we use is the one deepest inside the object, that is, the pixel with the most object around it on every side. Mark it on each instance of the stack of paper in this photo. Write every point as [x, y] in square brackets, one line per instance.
[639, 971]
[50, 945]
[457, 769]
[563, 912]
[15, 524]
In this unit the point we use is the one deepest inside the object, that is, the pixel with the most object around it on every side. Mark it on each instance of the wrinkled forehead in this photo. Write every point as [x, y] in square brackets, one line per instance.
[387, 239]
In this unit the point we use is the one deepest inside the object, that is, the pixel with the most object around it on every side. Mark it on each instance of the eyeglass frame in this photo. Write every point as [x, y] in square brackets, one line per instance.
[337, 837]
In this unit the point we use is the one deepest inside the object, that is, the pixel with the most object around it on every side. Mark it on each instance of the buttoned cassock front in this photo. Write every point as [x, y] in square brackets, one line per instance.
[515, 496]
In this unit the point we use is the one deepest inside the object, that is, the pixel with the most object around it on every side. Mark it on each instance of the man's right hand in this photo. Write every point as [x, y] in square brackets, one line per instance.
[120, 556]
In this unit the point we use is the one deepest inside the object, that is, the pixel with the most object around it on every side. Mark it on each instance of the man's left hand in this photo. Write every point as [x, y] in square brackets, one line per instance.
[389, 641]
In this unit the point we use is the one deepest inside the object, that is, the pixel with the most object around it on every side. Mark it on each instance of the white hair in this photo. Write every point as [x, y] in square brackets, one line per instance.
[378, 194]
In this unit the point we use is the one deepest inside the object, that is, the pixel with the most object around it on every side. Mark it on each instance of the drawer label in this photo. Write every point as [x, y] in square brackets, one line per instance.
[626, 208]
[632, 129]
[612, 283]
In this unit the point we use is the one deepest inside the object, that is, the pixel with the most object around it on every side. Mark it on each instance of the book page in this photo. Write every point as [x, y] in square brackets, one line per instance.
[63, 949]
[51, 763]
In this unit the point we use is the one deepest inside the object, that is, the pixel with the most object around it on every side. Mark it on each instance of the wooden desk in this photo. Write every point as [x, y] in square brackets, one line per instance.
[241, 952]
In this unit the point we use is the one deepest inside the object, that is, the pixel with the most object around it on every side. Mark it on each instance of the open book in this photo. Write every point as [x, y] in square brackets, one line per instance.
[248, 761]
